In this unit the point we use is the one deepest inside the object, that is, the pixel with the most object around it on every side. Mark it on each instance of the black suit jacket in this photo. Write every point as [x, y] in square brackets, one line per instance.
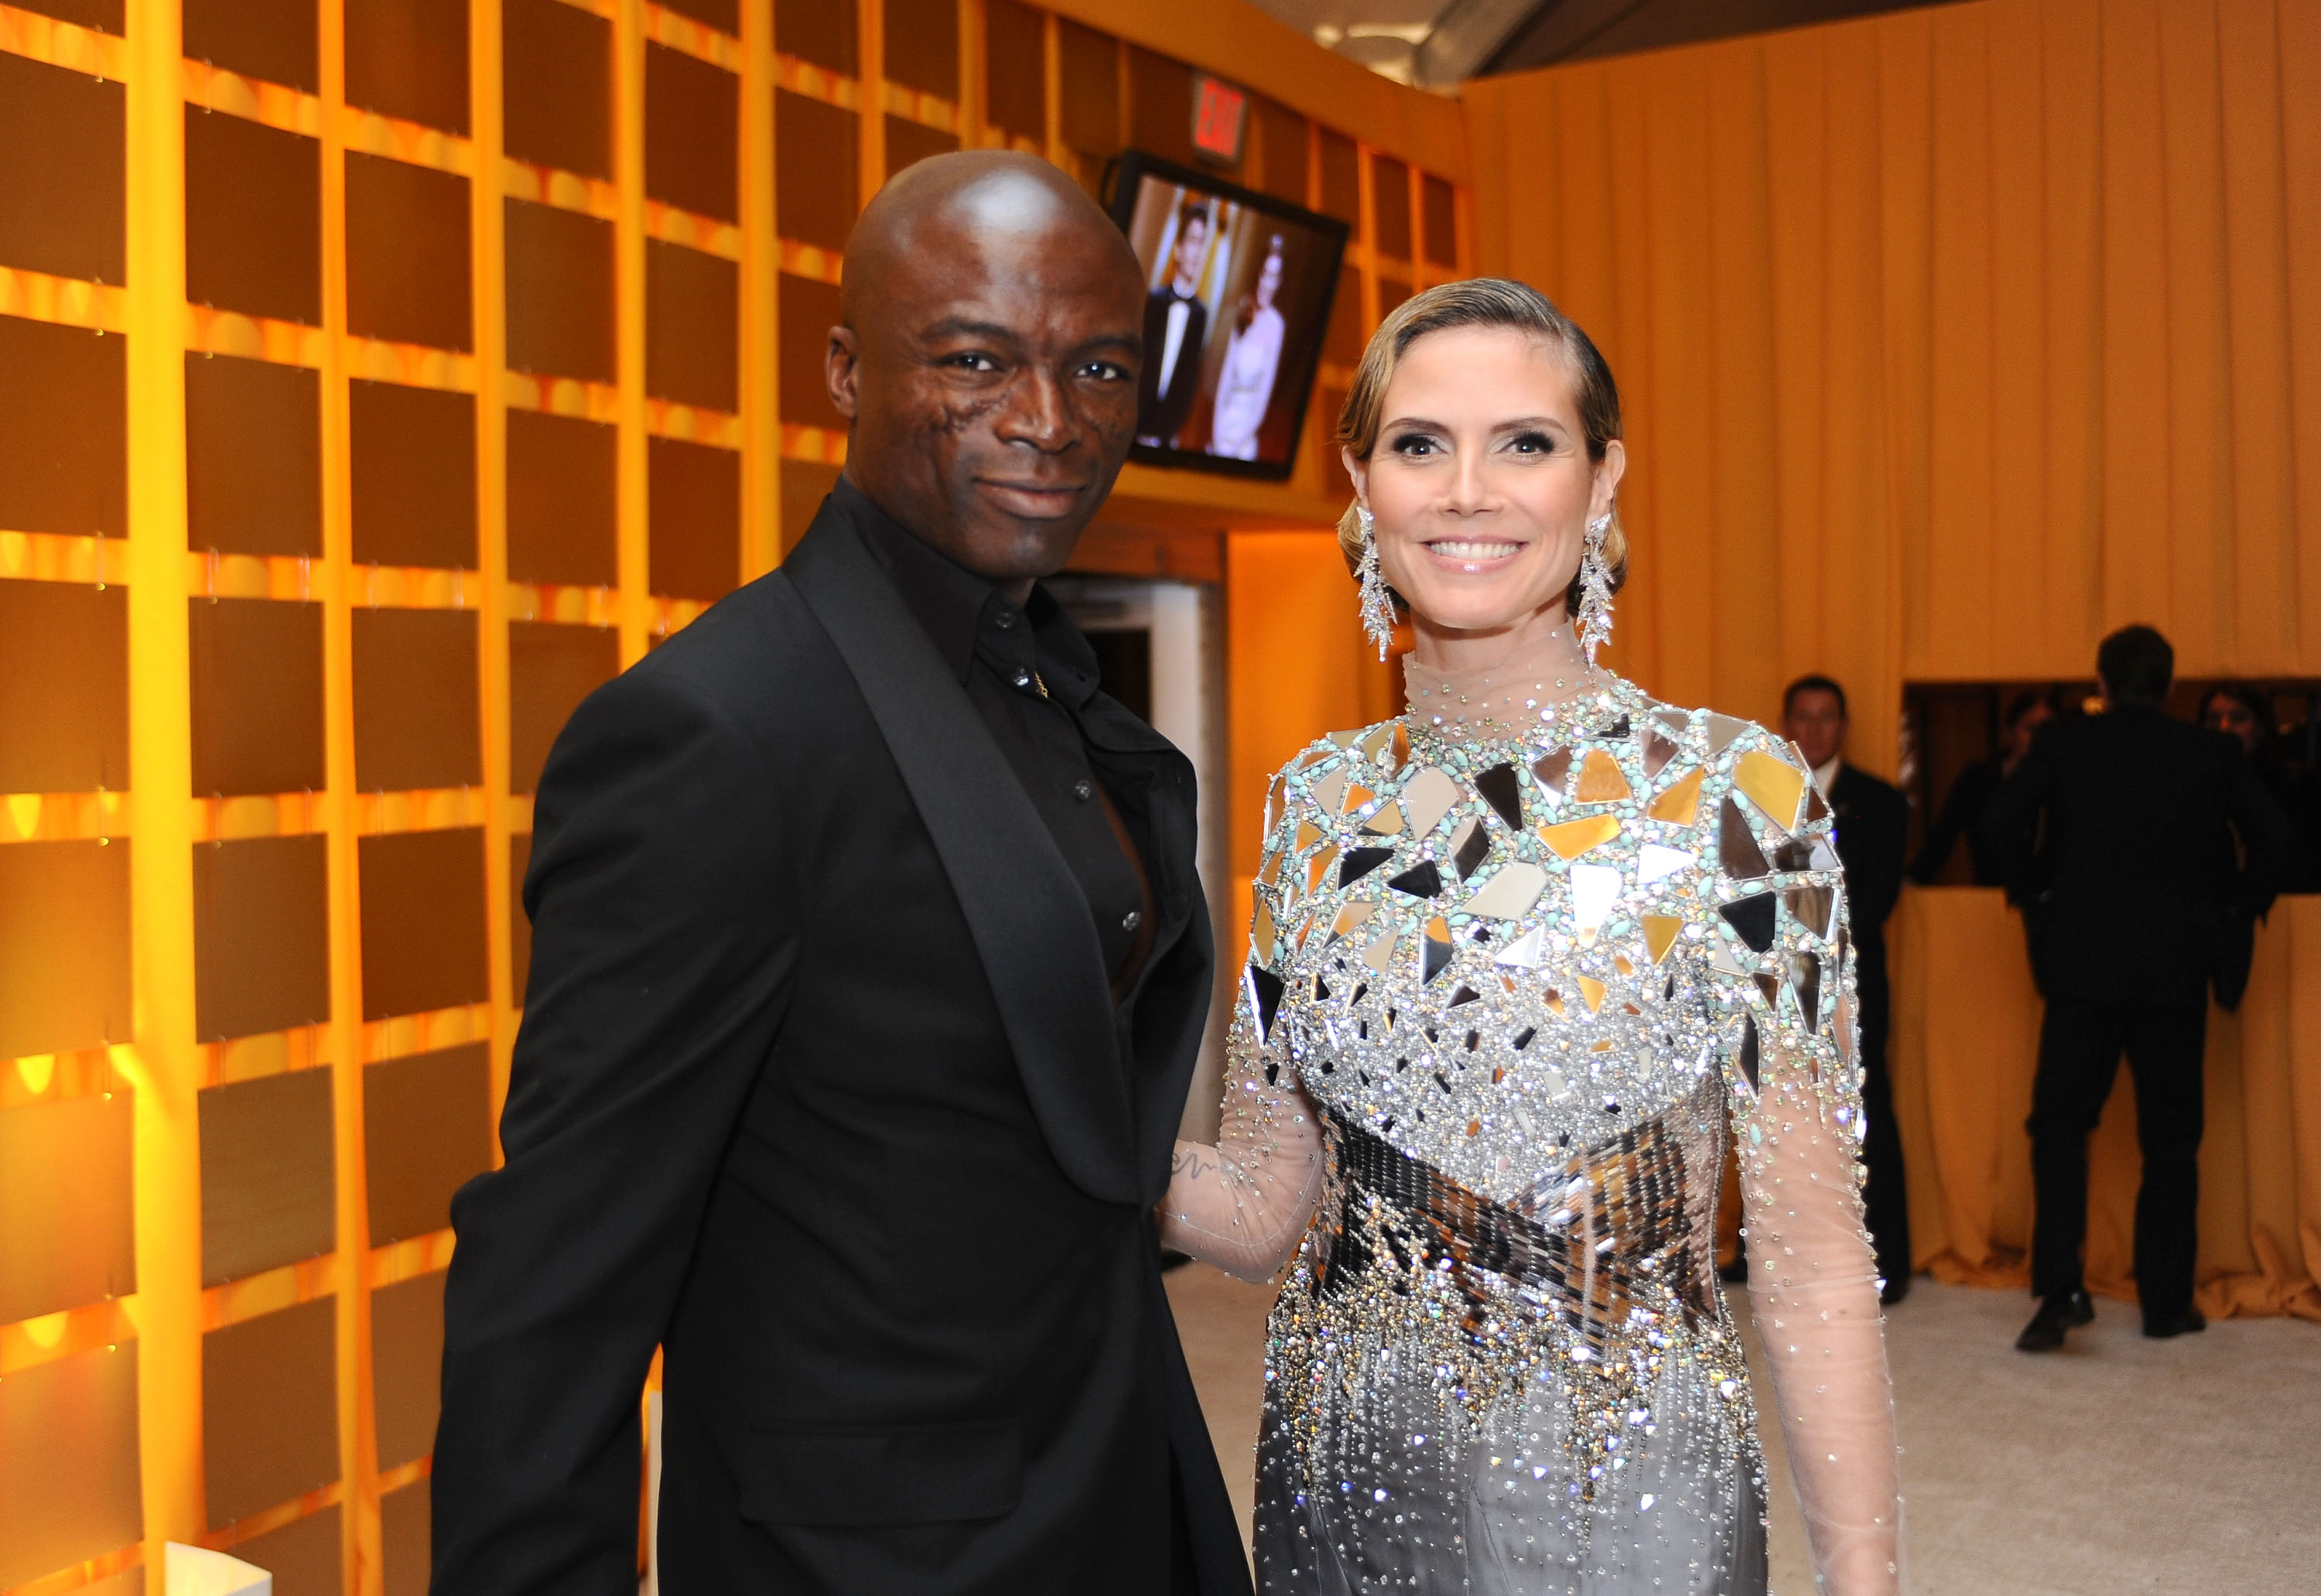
[2132, 892]
[821, 1085]
[1159, 415]
[1872, 820]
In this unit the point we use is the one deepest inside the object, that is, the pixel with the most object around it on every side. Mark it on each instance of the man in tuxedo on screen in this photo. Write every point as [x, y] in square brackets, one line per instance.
[1176, 327]
[868, 969]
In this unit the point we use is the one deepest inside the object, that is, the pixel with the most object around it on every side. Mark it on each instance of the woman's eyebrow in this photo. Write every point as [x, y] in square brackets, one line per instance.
[1518, 424]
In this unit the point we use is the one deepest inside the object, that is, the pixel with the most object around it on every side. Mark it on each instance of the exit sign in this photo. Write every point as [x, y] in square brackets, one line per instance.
[1220, 115]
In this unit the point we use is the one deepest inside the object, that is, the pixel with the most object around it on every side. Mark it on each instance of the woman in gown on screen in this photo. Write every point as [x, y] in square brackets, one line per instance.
[1522, 958]
[1252, 357]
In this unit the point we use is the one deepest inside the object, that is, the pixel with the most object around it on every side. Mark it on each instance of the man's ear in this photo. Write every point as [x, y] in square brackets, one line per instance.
[841, 369]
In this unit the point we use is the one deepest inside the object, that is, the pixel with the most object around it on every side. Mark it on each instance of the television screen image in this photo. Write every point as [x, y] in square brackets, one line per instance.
[1237, 296]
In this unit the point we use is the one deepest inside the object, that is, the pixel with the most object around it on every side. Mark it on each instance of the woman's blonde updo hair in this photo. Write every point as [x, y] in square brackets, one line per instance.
[1482, 301]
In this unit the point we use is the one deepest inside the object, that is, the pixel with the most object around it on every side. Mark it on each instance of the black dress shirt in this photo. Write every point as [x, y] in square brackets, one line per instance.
[1029, 672]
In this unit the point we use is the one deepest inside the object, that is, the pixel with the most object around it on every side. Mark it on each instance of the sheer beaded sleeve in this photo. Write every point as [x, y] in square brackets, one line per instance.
[1786, 985]
[1243, 1205]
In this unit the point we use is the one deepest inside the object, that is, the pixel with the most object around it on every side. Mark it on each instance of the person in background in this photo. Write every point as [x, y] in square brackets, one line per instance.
[2132, 894]
[1873, 822]
[1970, 794]
[1176, 327]
[2240, 711]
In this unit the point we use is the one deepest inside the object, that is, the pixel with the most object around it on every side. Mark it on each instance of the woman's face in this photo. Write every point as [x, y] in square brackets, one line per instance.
[1480, 479]
[1268, 280]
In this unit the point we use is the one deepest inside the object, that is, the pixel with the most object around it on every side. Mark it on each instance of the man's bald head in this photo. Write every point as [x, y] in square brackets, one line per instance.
[982, 191]
[989, 359]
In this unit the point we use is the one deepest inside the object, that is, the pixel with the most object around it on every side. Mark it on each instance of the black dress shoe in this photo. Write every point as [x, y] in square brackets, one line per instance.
[1897, 1287]
[2179, 1324]
[1735, 1273]
[2058, 1312]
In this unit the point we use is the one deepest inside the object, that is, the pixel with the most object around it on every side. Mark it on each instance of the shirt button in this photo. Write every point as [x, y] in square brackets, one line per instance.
[1005, 619]
[1084, 790]
[1131, 919]
[1022, 679]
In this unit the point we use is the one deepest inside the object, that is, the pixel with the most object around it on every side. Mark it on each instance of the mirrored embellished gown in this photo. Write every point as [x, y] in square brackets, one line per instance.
[1531, 968]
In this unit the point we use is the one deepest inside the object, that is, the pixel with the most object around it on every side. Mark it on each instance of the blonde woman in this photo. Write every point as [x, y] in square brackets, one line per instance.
[1523, 959]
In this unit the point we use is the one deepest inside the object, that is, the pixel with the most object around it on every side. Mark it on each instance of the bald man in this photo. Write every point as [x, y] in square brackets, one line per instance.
[868, 967]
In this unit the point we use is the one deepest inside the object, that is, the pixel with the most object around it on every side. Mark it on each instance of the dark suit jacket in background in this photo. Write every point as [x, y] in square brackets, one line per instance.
[2131, 893]
[1872, 819]
[821, 1085]
[1158, 414]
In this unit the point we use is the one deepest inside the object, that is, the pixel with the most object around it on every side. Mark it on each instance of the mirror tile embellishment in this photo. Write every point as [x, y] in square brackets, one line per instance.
[1509, 894]
[1469, 845]
[1657, 863]
[1752, 918]
[1357, 862]
[1600, 780]
[1810, 906]
[1773, 784]
[1420, 881]
[1553, 773]
[1502, 789]
[1571, 838]
[1658, 751]
[1679, 801]
[1428, 797]
[1736, 844]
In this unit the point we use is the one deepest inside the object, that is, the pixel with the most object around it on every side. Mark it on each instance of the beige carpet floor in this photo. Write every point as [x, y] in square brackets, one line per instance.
[2119, 1465]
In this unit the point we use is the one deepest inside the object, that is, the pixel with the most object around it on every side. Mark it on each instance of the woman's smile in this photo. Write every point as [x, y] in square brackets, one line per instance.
[1473, 553]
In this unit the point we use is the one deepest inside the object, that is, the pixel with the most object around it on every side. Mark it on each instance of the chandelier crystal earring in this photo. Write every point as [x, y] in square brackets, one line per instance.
[1377, 601]
[1593, 623]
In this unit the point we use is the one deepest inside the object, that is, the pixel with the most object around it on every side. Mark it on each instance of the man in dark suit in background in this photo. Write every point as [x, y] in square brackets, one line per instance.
[2129, 896]
[1873, 821]
[868, 969]
[1176, 328]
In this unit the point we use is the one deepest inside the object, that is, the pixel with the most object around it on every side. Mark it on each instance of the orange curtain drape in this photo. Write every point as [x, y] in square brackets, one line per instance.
[1950, 338]
[1966, 1030]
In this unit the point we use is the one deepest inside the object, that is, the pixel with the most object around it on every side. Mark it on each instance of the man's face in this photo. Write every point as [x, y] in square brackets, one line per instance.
[1816, 723]
[991, 381]
[1192, 243]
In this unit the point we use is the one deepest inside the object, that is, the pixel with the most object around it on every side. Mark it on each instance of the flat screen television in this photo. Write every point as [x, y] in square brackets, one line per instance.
[1237, 296]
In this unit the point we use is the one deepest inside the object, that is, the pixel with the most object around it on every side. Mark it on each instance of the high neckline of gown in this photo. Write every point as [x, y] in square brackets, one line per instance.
[1510, 704]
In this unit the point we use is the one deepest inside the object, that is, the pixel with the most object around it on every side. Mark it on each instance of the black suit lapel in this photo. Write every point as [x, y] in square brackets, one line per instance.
[1023, 906]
